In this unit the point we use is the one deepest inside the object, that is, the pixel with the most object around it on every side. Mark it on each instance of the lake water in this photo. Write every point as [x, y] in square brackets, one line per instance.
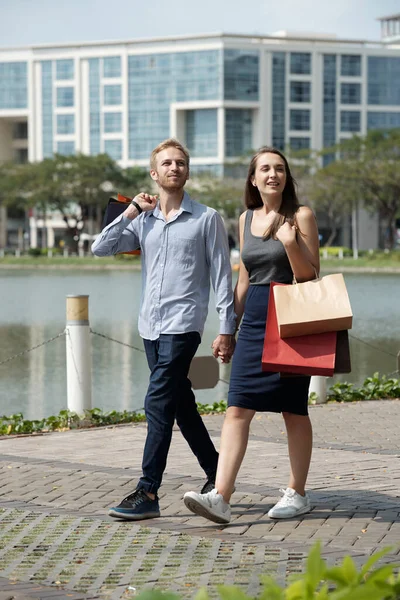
[32, 310]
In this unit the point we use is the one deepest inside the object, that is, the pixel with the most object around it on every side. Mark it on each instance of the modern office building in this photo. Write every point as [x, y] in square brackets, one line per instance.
[220, 94]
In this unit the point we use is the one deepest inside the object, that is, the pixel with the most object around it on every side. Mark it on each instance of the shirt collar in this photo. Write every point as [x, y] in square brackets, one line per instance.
[186, 206]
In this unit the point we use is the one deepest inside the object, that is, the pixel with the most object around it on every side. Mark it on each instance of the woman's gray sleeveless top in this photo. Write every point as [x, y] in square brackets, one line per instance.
[265, 259]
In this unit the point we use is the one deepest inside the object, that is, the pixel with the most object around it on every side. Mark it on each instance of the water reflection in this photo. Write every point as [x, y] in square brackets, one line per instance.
[32, 310]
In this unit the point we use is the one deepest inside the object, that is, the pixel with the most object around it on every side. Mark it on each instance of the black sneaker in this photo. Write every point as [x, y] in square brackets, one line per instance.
[210, 485]
[136, 507]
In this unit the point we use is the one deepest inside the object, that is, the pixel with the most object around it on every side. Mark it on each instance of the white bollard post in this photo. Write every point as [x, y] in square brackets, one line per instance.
[318, 386]
[79, 358]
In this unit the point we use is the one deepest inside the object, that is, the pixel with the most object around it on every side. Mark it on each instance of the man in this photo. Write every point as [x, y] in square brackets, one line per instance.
[184, 244]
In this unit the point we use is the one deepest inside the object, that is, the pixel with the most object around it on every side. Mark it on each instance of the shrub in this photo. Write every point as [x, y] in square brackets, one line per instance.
[333, 251]
[318, 582]
[34, 252]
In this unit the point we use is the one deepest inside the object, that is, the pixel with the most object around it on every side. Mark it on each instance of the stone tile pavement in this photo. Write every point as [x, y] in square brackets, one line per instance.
[57, 540]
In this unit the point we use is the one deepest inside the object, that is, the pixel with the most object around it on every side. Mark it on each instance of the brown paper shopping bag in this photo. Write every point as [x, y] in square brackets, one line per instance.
[303, 355]
[316, 306]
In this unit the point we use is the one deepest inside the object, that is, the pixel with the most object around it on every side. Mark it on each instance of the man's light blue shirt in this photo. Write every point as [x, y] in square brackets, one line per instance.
[179, 258]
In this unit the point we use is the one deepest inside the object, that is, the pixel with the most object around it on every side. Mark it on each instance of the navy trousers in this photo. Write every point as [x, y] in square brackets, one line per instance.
[169, 397]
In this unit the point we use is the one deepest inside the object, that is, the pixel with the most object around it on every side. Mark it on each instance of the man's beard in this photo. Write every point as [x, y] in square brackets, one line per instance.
[172, 185]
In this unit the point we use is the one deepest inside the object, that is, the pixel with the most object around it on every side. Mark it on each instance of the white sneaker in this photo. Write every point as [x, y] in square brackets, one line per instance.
[211, 506]
[291, 505]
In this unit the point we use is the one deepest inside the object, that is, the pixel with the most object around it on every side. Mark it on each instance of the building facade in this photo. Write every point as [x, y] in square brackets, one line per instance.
[221, 95]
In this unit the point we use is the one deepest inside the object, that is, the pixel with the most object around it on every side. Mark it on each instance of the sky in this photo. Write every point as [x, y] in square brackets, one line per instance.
[27, 22]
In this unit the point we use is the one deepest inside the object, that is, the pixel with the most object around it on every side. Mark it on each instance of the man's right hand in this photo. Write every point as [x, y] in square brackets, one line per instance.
[145, 201]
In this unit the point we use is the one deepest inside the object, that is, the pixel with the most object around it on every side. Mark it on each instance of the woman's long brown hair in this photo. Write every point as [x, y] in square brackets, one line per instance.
[290, 202]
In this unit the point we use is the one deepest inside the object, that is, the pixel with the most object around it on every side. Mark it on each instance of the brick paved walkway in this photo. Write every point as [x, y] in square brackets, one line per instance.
[56, 539]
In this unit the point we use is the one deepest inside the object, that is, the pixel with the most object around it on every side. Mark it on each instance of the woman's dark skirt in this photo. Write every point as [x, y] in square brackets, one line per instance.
[250, 387]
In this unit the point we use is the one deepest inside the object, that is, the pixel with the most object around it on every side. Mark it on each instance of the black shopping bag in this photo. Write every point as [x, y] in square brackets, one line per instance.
[114, 208]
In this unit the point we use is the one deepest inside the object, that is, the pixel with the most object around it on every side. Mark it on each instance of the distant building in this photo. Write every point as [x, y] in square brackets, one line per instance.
[220, 94]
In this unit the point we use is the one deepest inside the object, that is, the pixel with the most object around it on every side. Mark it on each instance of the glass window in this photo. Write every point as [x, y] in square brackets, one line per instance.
[47, 108]
[300, 63]
[350, 120]
[300, 143]
[112, 95]
[350, 93]
[300, 91]
[64, 69]
[20, 130]
[156, 80]
[65, 124]
[13, 85]
[383, 120]
[65, 96]
[112, 122]
[94, 105]
[113, 148]
[350, 65]
[21, 155]
[278, 99]
[241, 74]
[112, 66]
[66, 148]
[299, 120]
[384, 80]
[329, 105]
[238, 131]
[201, 132]
[214, 170]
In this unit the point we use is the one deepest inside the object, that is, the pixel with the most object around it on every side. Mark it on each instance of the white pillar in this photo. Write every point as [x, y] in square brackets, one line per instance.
[79, 359]
[33, 232]
[50, 236]
[318, 386]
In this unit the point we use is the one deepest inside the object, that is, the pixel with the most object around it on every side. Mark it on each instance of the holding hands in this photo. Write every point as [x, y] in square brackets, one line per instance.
[223, 347]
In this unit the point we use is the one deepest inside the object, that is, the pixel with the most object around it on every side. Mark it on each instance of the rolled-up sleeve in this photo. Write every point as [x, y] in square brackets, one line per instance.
[122, 235]
[218, 258]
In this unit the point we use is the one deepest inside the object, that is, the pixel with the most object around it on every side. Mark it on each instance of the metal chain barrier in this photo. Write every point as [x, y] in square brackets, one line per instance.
[133, 347]
[31, 349]
[372, 346]
[227, 382]
[106, 337]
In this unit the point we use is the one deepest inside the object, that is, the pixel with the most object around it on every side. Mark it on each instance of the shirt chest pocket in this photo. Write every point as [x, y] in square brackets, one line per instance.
[182, 250]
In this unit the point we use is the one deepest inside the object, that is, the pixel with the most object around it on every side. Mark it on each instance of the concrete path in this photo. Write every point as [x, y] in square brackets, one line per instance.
[56, 539]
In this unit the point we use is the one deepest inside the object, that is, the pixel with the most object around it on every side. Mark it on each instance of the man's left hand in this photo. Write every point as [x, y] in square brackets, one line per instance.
[223, 347]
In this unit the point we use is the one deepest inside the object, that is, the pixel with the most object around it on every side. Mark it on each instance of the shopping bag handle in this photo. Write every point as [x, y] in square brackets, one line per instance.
[294, 282]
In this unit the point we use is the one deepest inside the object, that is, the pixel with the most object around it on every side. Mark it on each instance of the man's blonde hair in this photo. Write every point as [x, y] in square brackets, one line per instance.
[169, 143]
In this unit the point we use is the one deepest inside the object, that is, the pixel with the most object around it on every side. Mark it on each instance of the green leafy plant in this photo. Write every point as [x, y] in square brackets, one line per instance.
[374, 388]
[334, 251]
[66, 419]
[318, 582]
[342, 582]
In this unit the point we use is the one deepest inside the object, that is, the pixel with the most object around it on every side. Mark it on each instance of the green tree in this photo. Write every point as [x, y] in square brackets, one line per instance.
[76, 186]
[369, 168]
[326, 193]
[225, 195]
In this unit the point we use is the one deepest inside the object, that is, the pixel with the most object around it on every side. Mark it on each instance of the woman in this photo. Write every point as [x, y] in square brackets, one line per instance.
[278, 241]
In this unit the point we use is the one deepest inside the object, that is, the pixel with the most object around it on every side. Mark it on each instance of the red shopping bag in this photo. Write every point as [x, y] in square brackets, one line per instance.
[305, 355]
